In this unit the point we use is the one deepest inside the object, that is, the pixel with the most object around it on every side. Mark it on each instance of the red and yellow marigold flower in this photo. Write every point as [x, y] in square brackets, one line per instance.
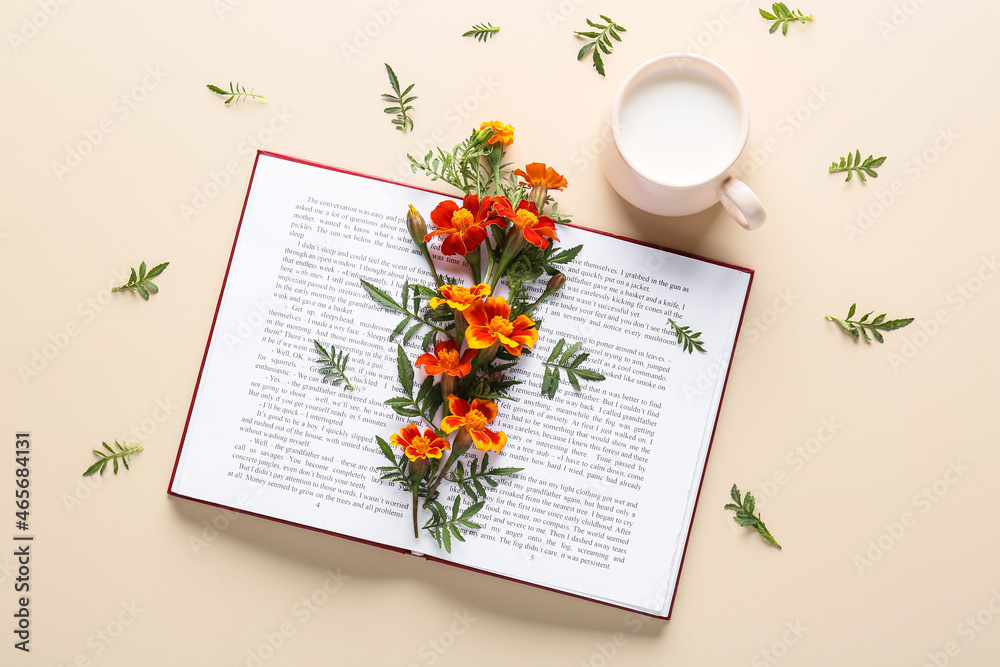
[417, 446]
[503, 134]
[465, 226]
[461, 297]
[446, 359]
[489, 322]
[537, 174]
[474, 419]
[537, 229]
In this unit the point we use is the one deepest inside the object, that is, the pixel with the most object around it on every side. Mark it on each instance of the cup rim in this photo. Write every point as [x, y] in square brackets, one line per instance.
[722, 75]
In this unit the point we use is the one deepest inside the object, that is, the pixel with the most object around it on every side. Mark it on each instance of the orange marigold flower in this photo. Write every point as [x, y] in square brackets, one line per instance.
[446, 360]
[461, 297]
[465, 226]
[501, 133]
[537, 173]
[537, 229]
[474, 418]
[489, 322]
[417, 446]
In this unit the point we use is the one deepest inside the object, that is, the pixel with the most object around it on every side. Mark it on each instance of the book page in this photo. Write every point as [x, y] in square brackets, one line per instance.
[605, 502]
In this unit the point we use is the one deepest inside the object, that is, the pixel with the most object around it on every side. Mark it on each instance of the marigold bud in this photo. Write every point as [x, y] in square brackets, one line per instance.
[416, 226]
[483, 135]
[555, 283]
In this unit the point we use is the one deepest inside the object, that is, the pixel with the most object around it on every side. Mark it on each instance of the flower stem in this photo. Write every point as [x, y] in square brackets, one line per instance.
[475, 262]
[427, 256]
[416, 500]
[461, 445]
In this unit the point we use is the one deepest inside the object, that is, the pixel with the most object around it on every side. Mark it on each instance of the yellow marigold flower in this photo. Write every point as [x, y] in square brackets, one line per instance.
[474, 419]
[501, 133]
[417, 446]
[461, 297]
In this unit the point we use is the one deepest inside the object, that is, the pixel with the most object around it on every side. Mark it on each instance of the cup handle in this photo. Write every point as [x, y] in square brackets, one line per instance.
[741, 203]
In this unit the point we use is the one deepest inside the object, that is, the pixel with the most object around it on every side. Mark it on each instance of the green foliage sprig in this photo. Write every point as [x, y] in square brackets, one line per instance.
[333, 365]
[566, 362]
[235, 92]
[782, 16]
[123, 453]
[853, 163]
[400, 102]
[863, 326]
[419, 292]
[442, 527]
[427, 400]
[686, 339]
[602, 41]
[745, 516]
[140, 283]
[461, 167]
[471, 480]
[481, 31]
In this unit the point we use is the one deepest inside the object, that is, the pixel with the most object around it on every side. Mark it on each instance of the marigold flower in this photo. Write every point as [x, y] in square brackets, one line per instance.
[461, 297]
[537, 173]
[417, 446]
[446, 359]
[465, 226]
[501, 133]
[474, 419]
[489, 322]
[537, 229]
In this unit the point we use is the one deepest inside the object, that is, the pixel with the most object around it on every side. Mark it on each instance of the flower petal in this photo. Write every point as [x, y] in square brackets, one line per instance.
[487, 408]
[451, 422]
[458, 406]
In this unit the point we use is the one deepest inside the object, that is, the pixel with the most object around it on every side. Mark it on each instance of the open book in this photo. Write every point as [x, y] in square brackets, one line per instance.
[611, 474]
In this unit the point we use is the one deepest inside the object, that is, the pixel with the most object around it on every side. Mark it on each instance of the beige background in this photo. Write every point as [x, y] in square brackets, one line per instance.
[913, 80]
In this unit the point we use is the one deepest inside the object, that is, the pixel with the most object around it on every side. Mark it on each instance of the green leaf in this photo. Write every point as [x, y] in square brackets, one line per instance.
[781, 16]
[125, 451]
[568, 363]
[402, 121]
[237, 92]
[556, 350]
[861, 327]
[744, 514]
[481, 31]
[381, 296]
[854, 165]
[405, 369]
[602, 41]
[386, 449]
[688, 340]
[140, 283]
[333, 365]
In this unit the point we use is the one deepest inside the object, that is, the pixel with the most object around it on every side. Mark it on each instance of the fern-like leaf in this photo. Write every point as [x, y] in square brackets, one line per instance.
[481, 31]
[603, 36]
[140, 282]
[400, 102]
[782, 16]
[104, 457]
[853, 164]
[745, 516]
[862, 327]
[236, 92]
[333, 365]
[562, 359]
[687, 339]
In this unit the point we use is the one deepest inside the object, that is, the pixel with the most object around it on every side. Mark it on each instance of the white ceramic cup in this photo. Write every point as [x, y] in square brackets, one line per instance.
[680, 121]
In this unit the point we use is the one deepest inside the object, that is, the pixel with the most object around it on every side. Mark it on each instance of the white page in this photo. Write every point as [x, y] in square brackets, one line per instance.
[325, 452]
